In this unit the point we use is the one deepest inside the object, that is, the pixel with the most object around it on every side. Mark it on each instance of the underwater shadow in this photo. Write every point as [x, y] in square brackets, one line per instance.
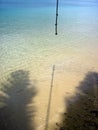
[82, 109]
[16, 102]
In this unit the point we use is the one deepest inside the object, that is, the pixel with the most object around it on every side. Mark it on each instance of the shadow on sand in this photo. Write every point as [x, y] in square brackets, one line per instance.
[16, 102]
[82, 110]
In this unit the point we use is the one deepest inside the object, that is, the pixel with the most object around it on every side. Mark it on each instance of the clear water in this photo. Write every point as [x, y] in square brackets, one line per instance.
[27, 35]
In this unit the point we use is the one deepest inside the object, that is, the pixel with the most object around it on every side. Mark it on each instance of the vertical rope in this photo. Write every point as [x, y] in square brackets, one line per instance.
[56, 21]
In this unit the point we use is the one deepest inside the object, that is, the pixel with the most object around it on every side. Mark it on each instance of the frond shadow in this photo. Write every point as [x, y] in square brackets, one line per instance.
[16, 102]
[82, 110]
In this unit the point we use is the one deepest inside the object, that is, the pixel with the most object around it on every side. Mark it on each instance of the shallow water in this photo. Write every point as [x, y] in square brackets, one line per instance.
[28, 42]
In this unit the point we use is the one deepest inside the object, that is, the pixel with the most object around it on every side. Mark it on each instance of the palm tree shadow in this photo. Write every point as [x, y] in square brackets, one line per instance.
[16, 102]
[82, 112]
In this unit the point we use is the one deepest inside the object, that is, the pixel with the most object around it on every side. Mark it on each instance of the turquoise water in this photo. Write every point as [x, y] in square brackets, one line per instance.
[28, 34]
